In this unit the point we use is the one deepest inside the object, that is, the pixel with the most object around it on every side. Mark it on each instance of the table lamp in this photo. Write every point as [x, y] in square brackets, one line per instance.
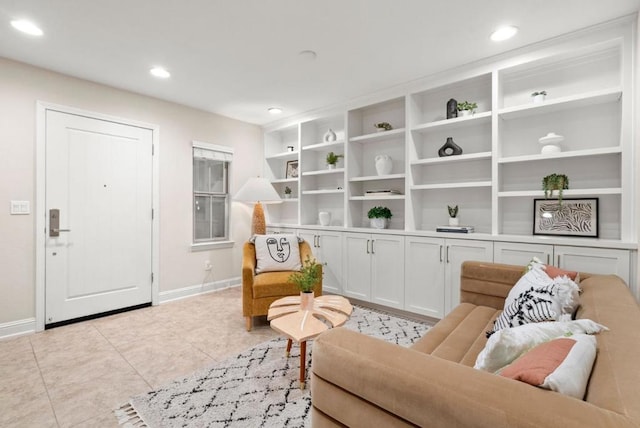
[258, 190]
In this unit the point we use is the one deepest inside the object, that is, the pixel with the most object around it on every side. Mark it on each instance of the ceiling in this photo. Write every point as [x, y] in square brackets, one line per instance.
[239, 57]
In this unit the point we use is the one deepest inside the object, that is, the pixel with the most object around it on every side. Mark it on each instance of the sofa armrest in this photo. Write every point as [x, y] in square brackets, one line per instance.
[379, 378]
[487, 284]
[248, 272]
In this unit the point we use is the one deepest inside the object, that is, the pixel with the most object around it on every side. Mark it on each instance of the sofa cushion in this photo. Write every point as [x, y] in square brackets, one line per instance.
[562, 365]
[508, 344]
[272, 284]
[277, 252]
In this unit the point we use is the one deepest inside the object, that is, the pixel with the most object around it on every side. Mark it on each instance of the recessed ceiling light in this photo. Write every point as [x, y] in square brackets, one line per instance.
[274, 110]
[160, 72]
[504, 33]
[26, 27]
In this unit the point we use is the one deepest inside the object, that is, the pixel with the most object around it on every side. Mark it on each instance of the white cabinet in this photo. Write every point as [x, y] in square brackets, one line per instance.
[581, 259]
[374, 268]
[432, 268]
[327, 248]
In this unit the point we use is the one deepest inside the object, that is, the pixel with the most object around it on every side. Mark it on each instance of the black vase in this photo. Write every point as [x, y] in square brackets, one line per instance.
[452, 108]
[450, 148]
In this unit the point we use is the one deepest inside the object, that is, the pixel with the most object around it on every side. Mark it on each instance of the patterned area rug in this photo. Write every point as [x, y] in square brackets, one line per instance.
[257, 388]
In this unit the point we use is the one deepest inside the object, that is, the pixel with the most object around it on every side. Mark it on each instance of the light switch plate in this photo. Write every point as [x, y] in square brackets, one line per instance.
[20, 207]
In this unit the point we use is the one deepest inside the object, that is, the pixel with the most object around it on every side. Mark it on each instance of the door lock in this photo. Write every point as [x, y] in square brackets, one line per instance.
[54, 223]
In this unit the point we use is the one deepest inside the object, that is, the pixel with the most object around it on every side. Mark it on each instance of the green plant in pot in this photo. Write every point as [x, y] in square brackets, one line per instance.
[306, 279]
[332, 159]
[379, 217]
[287, 192]
[553, 182]
[453, 215]
[467, 108]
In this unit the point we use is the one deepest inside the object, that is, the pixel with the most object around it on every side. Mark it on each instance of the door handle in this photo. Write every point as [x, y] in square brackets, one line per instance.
[558, 265]
[372, 241]
[447, 254]
[368, 240]
[318, 236]
[440, 253]
[54, 223]
[548, 257]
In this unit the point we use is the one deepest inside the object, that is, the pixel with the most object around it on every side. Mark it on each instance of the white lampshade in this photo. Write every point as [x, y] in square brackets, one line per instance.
[258, 189]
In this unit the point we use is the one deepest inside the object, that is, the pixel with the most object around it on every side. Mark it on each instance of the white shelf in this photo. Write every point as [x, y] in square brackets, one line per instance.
[290, 200]
[565, 193]
[453, 159]
[376, 198]
[285, 180]
[451, 185]
[322, 191]
[459, 122]
[324, 146]
[324, 171]
[569, 154]
[284, 156]
[377, 136]
[379, 177]
[563, 103]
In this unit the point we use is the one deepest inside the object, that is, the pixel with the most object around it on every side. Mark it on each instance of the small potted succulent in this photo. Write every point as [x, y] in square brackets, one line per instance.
[332, 159]
[306, 280]
[466, 108]
[287, 192]
[383, 126]
[379, 217]
[453, 215]
[538, 96]
[553, 182]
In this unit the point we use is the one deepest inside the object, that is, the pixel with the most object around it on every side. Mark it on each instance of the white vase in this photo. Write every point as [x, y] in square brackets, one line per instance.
[330, 136]
[306, 300]
[325, 218]
[464, 113]
[379, 223]
[331, 165]
[551, 143]
[287, 195]
[453, 221]
[384, 164]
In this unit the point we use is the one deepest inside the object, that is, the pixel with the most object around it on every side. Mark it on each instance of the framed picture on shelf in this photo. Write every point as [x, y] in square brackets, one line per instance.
[572, 217]
[292, 169]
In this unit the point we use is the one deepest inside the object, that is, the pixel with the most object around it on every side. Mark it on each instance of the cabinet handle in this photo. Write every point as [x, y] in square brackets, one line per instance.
[447, 254]
[318, 238]
[368, 246]
[558, 265]
[440, 253]
[548, 258]
[372, 241]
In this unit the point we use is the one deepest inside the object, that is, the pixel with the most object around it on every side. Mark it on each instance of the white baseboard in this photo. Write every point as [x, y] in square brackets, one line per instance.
[17, 328]
[194, 290]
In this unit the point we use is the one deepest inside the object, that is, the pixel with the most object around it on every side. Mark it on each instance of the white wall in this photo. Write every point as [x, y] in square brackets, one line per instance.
[22, 85]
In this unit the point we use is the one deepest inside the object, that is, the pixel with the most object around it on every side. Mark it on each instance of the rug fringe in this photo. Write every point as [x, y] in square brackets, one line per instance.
[128, 417]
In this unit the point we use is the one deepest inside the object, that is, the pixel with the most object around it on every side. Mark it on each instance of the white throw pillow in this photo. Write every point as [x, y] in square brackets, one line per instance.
[277, 252]
[508, 344]
[563, 365]
[536, 297]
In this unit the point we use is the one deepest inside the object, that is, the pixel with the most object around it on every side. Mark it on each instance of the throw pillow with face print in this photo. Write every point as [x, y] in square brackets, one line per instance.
[277, 252]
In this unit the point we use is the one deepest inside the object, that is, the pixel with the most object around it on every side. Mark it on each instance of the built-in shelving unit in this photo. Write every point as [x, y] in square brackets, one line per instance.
[498, 175]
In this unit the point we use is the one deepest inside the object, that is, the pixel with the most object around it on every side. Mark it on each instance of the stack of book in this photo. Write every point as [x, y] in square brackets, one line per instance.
[382, 192]
[455, 229]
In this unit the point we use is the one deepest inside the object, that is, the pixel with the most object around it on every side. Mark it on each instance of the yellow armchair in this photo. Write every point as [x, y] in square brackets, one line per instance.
[261, 290]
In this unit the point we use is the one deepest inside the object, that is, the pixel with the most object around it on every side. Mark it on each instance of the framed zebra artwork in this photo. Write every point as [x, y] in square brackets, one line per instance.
[571, 217]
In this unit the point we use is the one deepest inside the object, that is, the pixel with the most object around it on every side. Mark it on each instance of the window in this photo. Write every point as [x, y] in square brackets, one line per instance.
[211, 199]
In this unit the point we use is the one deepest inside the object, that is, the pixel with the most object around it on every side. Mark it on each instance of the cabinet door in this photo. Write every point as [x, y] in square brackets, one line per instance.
[456, 252]
[330, 250]
[424, 276]
[593, 260]
[387, 270]
[357, 266]
[512, 253]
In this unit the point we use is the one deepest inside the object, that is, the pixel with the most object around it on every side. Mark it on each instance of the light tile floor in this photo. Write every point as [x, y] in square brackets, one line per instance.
[74, 376]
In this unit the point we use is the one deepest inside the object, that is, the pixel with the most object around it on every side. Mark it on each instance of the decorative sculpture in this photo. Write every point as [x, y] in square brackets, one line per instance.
[450, 148]
[452, 109]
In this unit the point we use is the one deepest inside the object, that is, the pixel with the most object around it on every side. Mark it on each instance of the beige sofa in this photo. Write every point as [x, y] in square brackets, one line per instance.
[359, 381]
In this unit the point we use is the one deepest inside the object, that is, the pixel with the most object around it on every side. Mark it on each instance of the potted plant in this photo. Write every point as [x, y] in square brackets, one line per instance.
[453, 215]
[538, 96]
[466, 108]
[306, 280]
[332, 159]
[287, 192]
[553, 182]
[383, 126]
[379, 217]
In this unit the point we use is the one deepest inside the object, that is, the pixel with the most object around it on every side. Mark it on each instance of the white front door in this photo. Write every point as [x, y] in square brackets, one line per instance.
[99, 191]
